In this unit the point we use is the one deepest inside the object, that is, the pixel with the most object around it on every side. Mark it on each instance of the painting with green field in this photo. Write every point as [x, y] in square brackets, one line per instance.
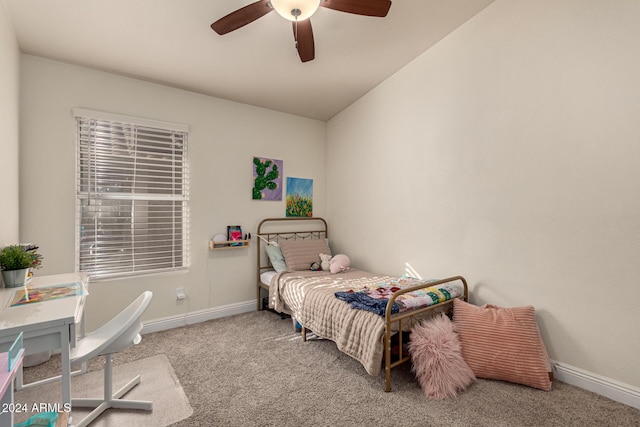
[299, 197]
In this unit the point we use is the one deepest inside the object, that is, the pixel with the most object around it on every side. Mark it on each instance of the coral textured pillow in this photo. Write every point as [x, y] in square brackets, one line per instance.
[437, 358]
[503, 343]
[300, 254]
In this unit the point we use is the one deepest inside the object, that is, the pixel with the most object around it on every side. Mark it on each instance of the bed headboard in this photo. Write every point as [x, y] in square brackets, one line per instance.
[280, 229]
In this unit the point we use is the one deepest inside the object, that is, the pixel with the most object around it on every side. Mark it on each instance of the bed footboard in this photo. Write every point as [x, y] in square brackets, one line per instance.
[411, 317]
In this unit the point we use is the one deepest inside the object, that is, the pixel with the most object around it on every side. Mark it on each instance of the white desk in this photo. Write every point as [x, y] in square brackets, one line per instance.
[47, 325]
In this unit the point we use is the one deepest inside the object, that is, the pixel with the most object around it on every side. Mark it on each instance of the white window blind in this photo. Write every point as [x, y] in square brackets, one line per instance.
[132, 205]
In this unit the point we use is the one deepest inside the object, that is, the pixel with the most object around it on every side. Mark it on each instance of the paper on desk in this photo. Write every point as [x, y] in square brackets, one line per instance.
[46, 293]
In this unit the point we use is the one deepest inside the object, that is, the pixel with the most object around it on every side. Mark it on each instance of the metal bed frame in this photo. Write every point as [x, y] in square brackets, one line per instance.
[269, 230]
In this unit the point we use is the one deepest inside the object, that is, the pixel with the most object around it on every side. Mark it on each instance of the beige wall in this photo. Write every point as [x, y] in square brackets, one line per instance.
[9, 107]
[223, 138]
[509, 153]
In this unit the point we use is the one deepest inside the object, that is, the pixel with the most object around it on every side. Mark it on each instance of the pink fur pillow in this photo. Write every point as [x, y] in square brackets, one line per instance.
[437, 358]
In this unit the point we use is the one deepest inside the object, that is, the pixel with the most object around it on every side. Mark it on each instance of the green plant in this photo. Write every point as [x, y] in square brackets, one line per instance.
[264, 179]
[16, 257]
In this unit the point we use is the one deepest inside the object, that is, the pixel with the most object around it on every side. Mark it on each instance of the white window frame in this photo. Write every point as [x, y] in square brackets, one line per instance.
[122, 230]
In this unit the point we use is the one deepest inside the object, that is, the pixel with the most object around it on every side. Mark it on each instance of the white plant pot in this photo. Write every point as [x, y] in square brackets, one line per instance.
[15, 278]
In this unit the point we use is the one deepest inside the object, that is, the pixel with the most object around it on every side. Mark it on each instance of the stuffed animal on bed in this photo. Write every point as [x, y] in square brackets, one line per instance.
[324, 264]
[339, 263]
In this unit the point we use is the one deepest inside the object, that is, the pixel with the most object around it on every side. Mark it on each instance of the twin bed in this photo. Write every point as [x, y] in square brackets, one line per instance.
[362, 312]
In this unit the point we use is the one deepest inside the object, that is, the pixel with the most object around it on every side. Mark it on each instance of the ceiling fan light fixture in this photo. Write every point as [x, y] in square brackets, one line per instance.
[295, 10]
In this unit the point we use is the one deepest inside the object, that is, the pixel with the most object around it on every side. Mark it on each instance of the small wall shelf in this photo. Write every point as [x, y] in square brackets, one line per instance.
[227, 244]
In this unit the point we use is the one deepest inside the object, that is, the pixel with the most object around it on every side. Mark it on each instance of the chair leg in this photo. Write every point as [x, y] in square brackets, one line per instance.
[116, 402]
[86, 403]
[111, 400]
[93, 415]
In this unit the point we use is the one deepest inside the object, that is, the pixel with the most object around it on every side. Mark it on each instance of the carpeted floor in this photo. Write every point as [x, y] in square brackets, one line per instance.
[253, 370]
[158, 383]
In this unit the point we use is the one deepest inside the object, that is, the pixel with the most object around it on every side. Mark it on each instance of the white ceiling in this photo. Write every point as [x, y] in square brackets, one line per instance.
[171, 42]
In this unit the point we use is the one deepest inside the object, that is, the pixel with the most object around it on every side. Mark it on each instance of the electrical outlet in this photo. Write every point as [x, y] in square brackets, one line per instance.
[180, 295]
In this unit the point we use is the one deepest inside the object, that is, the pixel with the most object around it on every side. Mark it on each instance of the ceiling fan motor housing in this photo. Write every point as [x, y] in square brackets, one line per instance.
[295, 10]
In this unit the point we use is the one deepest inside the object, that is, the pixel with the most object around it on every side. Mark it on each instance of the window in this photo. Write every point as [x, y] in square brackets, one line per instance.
[132, 203]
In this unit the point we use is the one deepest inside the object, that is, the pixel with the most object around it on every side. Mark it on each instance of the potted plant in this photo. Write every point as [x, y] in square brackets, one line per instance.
[15, 262]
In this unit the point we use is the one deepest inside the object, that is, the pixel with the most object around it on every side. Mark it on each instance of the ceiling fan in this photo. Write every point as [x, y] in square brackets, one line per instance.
[299, 12]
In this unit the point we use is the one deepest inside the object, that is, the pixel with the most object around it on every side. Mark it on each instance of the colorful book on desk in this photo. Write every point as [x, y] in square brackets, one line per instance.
[46, 293]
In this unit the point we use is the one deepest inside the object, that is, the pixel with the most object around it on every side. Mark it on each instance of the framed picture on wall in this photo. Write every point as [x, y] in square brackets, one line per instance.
[267, 179]
[299, 197]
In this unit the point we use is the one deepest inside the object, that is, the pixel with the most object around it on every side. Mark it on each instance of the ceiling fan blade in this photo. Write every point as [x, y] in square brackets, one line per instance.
[303, 35]
[241, 17]
[378, 8]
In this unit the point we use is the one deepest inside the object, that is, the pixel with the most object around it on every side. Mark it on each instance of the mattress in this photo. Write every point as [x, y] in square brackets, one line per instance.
[266, 277]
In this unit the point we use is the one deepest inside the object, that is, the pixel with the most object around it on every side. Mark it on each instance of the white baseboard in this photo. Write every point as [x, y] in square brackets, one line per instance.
[198, 316]
[603, 386]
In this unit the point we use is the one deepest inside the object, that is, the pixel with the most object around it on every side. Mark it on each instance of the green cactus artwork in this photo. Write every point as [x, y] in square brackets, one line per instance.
[267, 179]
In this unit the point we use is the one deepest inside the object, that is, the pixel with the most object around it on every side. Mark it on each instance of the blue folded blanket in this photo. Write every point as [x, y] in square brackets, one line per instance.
[364, 302]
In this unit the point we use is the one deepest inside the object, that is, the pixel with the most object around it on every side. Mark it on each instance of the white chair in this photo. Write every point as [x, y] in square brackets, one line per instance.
[119, 333]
